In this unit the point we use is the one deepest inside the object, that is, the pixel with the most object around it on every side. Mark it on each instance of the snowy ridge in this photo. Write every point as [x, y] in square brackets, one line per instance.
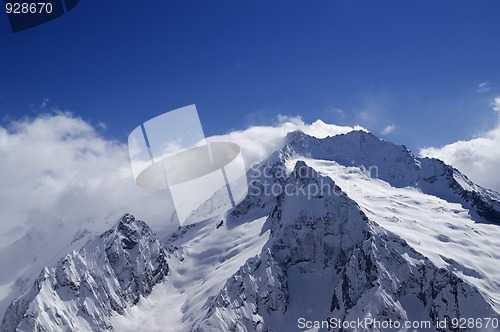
[47, 242]
[362, 270]
[400, 168]
[107, 275]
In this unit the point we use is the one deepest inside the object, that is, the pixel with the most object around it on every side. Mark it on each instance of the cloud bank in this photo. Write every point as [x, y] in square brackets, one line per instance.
[57, 168]
[478, 158]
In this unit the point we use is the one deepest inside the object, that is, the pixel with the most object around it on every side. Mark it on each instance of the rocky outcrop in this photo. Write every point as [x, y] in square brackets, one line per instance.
[107, 275]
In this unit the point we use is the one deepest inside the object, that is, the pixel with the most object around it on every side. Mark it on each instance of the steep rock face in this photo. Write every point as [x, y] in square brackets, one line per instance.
[107, 275]
[396, 165]
[322, 243]
[264, 183]
[258, 289]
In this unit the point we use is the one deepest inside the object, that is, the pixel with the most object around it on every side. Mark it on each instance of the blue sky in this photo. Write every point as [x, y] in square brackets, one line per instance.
[416, 65]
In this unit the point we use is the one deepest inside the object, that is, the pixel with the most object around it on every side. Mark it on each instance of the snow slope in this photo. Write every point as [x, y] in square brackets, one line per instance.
[326, 259]
[400, 168]
[47, 242]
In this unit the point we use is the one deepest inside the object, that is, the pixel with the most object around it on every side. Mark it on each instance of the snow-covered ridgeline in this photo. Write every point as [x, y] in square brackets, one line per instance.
[396, 165]
[107, 275]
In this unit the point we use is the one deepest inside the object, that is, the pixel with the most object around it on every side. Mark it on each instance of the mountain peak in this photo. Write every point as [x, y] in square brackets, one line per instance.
[398, 166]
[301, 170]
[299, 136]
[105, 276]
[127, 218]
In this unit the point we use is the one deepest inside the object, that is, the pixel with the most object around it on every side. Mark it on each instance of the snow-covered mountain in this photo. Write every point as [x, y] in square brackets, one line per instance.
[399, 167]
[326, 259]
[81, 293]
[343, 228]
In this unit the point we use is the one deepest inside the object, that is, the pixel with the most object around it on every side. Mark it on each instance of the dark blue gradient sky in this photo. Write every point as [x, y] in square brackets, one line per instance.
[413, 64]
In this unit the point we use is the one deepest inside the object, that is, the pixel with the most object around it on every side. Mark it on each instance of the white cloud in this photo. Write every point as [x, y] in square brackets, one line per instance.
[337, 112]
[283, 118]
[101, 125]
[478, 158]
[257, 142]
[495, 104]
[60, 167]
[389, 129]
[483, 87]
